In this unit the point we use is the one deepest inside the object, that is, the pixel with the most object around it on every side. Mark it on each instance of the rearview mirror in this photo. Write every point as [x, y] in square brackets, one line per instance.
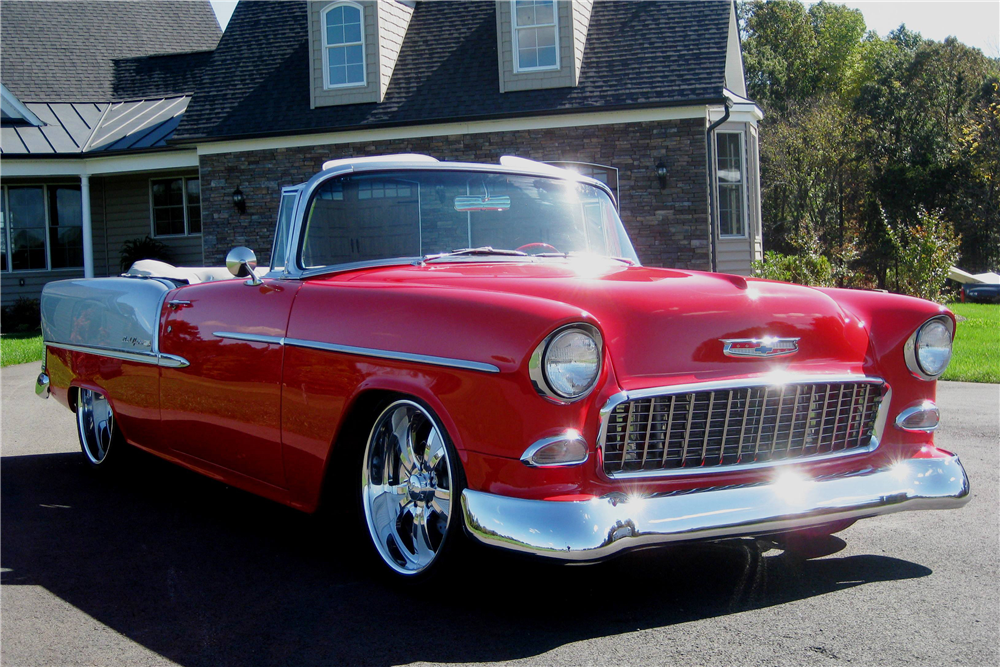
[241, 262]
[467, 203]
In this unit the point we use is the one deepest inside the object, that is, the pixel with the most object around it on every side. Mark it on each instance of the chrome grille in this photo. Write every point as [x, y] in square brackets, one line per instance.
[720, 428]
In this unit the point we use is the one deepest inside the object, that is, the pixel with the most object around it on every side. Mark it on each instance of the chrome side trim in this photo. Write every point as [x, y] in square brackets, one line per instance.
[527, 458]
[396, 356]
[910, 349]
[595, 529]
[151, 358]
[924, 406]
[775, 380]
[361, 351]
[172, 361]
[250, 338]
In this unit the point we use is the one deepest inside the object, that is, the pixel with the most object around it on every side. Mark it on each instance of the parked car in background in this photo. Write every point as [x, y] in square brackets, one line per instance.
[981, 293]
[471, 350]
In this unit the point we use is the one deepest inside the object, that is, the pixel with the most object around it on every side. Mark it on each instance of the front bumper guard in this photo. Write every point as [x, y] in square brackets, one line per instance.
[598, 528]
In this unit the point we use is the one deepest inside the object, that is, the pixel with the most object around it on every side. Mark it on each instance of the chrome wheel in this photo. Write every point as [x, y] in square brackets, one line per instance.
[96, 423]
[406, 487]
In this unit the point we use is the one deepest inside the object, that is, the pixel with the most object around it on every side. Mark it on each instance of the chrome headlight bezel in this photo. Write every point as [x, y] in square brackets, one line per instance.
[537, 364]
[911, 352]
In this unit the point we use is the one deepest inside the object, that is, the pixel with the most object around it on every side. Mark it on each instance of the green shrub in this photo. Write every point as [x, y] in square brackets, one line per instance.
[924, 253]
[23, 316]
[143, 248]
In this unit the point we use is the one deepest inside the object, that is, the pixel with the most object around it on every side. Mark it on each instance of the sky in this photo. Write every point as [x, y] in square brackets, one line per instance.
[974, 22]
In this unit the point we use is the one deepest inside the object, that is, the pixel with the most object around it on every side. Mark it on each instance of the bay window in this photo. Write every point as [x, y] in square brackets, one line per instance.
[731, 174]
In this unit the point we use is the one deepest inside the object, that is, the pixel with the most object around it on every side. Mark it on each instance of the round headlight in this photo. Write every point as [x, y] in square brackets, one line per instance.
[572, 362]
[933, 347]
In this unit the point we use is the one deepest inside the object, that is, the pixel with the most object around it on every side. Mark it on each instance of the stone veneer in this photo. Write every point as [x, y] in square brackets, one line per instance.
[668, 226]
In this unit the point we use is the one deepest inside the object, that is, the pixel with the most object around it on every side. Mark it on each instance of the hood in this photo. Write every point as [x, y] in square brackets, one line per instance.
[663, 325]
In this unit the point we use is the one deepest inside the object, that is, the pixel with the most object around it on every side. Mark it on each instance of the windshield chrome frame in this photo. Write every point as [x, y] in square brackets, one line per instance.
[293, 268]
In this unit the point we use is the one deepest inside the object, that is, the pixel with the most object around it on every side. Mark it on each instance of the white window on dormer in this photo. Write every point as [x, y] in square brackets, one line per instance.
[343, 45]
[536, 35]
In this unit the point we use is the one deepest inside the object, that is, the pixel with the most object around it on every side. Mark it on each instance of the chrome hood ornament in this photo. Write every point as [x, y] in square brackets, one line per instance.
[759, 347]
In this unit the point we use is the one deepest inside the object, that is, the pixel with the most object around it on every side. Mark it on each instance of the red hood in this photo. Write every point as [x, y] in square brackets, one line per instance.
[661, 323]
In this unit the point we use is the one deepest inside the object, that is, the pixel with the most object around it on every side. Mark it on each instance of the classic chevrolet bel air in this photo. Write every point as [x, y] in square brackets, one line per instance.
[470, 351]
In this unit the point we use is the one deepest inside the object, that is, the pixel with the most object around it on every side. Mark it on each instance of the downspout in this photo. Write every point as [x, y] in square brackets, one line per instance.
[712, 186]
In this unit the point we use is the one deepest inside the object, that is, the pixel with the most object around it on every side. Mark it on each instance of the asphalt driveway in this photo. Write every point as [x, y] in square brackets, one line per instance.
[161, 566]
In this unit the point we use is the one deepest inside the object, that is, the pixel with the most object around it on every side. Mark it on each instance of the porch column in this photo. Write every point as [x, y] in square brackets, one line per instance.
[88, 235]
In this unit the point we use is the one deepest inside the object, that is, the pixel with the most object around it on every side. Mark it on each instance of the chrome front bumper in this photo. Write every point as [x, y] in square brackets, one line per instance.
[596, 529]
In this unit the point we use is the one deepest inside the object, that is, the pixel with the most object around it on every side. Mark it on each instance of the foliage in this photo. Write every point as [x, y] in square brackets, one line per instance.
[976, 356]
[23, 316]
[20, 348]
[861, 133]
[142, 248]
[924, 252]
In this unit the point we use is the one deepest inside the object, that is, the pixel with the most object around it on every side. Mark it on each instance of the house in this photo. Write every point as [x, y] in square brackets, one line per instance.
[91, 92]
[625, 91]
[648, 96]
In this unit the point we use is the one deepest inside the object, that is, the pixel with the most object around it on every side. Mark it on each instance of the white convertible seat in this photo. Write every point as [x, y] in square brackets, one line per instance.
[151, 268]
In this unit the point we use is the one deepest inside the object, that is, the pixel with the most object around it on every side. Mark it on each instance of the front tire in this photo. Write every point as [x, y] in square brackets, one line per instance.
[100, 439]
[410, 485]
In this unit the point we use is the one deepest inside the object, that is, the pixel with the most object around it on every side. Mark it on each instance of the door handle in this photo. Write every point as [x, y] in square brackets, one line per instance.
[178, 303]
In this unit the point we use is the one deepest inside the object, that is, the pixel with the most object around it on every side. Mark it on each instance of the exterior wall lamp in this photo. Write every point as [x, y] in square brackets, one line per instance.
[661, 174]
[239, 201]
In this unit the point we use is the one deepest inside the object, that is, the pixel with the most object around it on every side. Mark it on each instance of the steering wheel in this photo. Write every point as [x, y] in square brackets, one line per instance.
[537, 248]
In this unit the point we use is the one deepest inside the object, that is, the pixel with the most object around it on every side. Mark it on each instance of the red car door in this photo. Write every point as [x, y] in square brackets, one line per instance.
[224, 408]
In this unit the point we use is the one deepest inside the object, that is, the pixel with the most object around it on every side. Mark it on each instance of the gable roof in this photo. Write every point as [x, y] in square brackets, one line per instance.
[65, 51]
[637, 54]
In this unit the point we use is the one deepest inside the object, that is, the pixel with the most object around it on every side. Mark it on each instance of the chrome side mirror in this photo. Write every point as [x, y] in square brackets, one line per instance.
[241, 262]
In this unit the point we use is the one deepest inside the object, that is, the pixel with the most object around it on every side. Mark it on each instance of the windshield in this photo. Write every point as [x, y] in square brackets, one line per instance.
[412, 213]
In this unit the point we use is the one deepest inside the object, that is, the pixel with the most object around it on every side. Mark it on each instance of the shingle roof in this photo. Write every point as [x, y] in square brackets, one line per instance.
[89, 128]
[642, 53]
[65, 51]
[155, 76]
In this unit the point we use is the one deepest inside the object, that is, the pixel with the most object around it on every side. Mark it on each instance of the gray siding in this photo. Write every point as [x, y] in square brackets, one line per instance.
[372, 91]
[393, 20]
[581, 24]
[735, 80]
[565, 76]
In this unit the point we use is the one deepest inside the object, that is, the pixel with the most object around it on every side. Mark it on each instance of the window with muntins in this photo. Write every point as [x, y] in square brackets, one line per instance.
[176, 205]
[41, 227]
[731, 174]
[344, 46]
[536, 35]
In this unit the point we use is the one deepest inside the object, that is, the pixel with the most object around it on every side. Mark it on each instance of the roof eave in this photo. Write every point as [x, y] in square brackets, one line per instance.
[195, 139]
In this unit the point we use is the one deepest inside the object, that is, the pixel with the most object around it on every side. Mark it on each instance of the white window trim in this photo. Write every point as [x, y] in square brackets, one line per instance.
[744, 181]
[514, 27]
[326, 48]
[152, 209]
[48, 226]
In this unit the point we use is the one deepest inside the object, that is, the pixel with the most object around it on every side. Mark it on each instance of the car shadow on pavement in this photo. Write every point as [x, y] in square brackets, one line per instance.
[204, 574]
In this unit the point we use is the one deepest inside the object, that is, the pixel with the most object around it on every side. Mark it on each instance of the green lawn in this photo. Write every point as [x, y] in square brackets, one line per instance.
[20, 348]
[976, 357]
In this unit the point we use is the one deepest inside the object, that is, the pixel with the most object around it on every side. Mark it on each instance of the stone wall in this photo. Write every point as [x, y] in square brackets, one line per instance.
[669, 226]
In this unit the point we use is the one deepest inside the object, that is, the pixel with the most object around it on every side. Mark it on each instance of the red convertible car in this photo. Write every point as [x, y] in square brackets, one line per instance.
[474, 351]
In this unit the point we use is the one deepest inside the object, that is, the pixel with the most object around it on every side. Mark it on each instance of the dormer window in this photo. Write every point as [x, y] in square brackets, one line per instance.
[344, 45]
[536, 35]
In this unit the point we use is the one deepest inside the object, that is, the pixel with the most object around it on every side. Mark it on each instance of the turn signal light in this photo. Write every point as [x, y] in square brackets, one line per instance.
[923, 418]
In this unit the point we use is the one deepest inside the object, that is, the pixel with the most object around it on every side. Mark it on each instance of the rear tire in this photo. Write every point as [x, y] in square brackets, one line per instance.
[410, 487]
[100, 440]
